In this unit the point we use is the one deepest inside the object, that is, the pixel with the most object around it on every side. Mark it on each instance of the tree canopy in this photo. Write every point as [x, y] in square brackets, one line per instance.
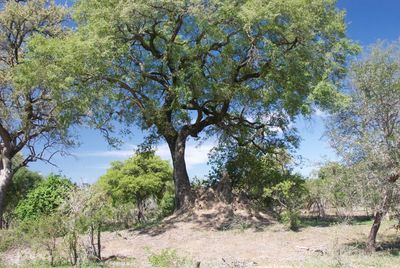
[137, 179]
[366, 133]
[34, 117]
[238, 69]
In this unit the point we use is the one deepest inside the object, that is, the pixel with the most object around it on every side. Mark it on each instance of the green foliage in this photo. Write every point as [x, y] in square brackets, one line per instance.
[168, 258]
[250, 170]
[288, 197]
[22, 183]
[45, 198]
[167, 202]
[30, 111]
[141, 177]
[240, 70]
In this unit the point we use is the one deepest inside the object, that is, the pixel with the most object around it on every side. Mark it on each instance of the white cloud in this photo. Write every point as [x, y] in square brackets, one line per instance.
[194, 155]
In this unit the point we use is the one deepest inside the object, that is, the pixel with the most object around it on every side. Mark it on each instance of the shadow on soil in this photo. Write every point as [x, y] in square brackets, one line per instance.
[230, 221]
[392, 247]
[327, 221]
[219, 220]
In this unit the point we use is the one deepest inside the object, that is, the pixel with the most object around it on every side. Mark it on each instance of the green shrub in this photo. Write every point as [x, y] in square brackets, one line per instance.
[136, 180]
[168, 258]
[44, 199]
[288, 197]
[291, 218]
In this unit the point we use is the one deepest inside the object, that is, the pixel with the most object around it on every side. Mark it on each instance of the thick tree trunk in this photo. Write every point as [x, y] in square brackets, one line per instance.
[183, 194]
[5, 179]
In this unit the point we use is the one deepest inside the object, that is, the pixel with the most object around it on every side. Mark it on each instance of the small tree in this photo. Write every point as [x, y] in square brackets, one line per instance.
[87, 209]
[288, 198]
[367, 132]
[137, 179]
[337, 185]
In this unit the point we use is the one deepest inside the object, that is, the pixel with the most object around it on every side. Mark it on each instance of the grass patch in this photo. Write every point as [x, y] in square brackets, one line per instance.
[381, 260]
[332, 220]
[168, 258]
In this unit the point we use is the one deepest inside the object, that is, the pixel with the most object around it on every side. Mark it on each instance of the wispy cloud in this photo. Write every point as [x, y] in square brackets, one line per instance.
[111, 153]
[99, 167]
[194, 155]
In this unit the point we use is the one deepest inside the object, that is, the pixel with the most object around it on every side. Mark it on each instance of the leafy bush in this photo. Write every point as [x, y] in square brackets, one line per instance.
[250, 170]
[23, 182]
[45, 198]
[288, 198]
[168, 258]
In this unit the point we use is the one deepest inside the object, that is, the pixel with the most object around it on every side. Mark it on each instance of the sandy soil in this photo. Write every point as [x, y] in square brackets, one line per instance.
[231, 234]
[269, 247]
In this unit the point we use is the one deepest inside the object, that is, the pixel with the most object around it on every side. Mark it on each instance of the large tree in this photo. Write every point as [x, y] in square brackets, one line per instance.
[366, 133]
[32, 121]
[241, 69]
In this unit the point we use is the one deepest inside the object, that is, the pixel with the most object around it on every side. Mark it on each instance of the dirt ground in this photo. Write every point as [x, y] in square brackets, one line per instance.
[323, 245]
[274, 246]
[218, 235]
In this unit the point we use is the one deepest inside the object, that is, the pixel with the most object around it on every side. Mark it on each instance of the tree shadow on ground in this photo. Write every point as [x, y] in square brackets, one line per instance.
[329, 220]
[388, 246]
[220, 219]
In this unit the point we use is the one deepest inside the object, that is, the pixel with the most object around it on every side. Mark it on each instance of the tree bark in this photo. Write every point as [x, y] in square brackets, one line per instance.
[140, 215]
[99, 241]
[183, 193]
[371, 242]
[380, 212]
[5, 179]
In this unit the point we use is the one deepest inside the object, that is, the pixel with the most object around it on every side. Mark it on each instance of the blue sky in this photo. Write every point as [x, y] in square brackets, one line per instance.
[368, 21]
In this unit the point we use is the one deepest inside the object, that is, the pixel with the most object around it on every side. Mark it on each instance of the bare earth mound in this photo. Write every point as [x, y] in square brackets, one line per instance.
[218, 211]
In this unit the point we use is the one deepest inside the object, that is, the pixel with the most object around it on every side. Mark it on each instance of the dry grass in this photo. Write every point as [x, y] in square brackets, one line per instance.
[255, 241]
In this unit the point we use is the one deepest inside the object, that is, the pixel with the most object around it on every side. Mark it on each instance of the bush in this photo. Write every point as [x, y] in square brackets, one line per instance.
[23, 182]
[167, 202]
[44, 199]
[288, 197]
[168, 258]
